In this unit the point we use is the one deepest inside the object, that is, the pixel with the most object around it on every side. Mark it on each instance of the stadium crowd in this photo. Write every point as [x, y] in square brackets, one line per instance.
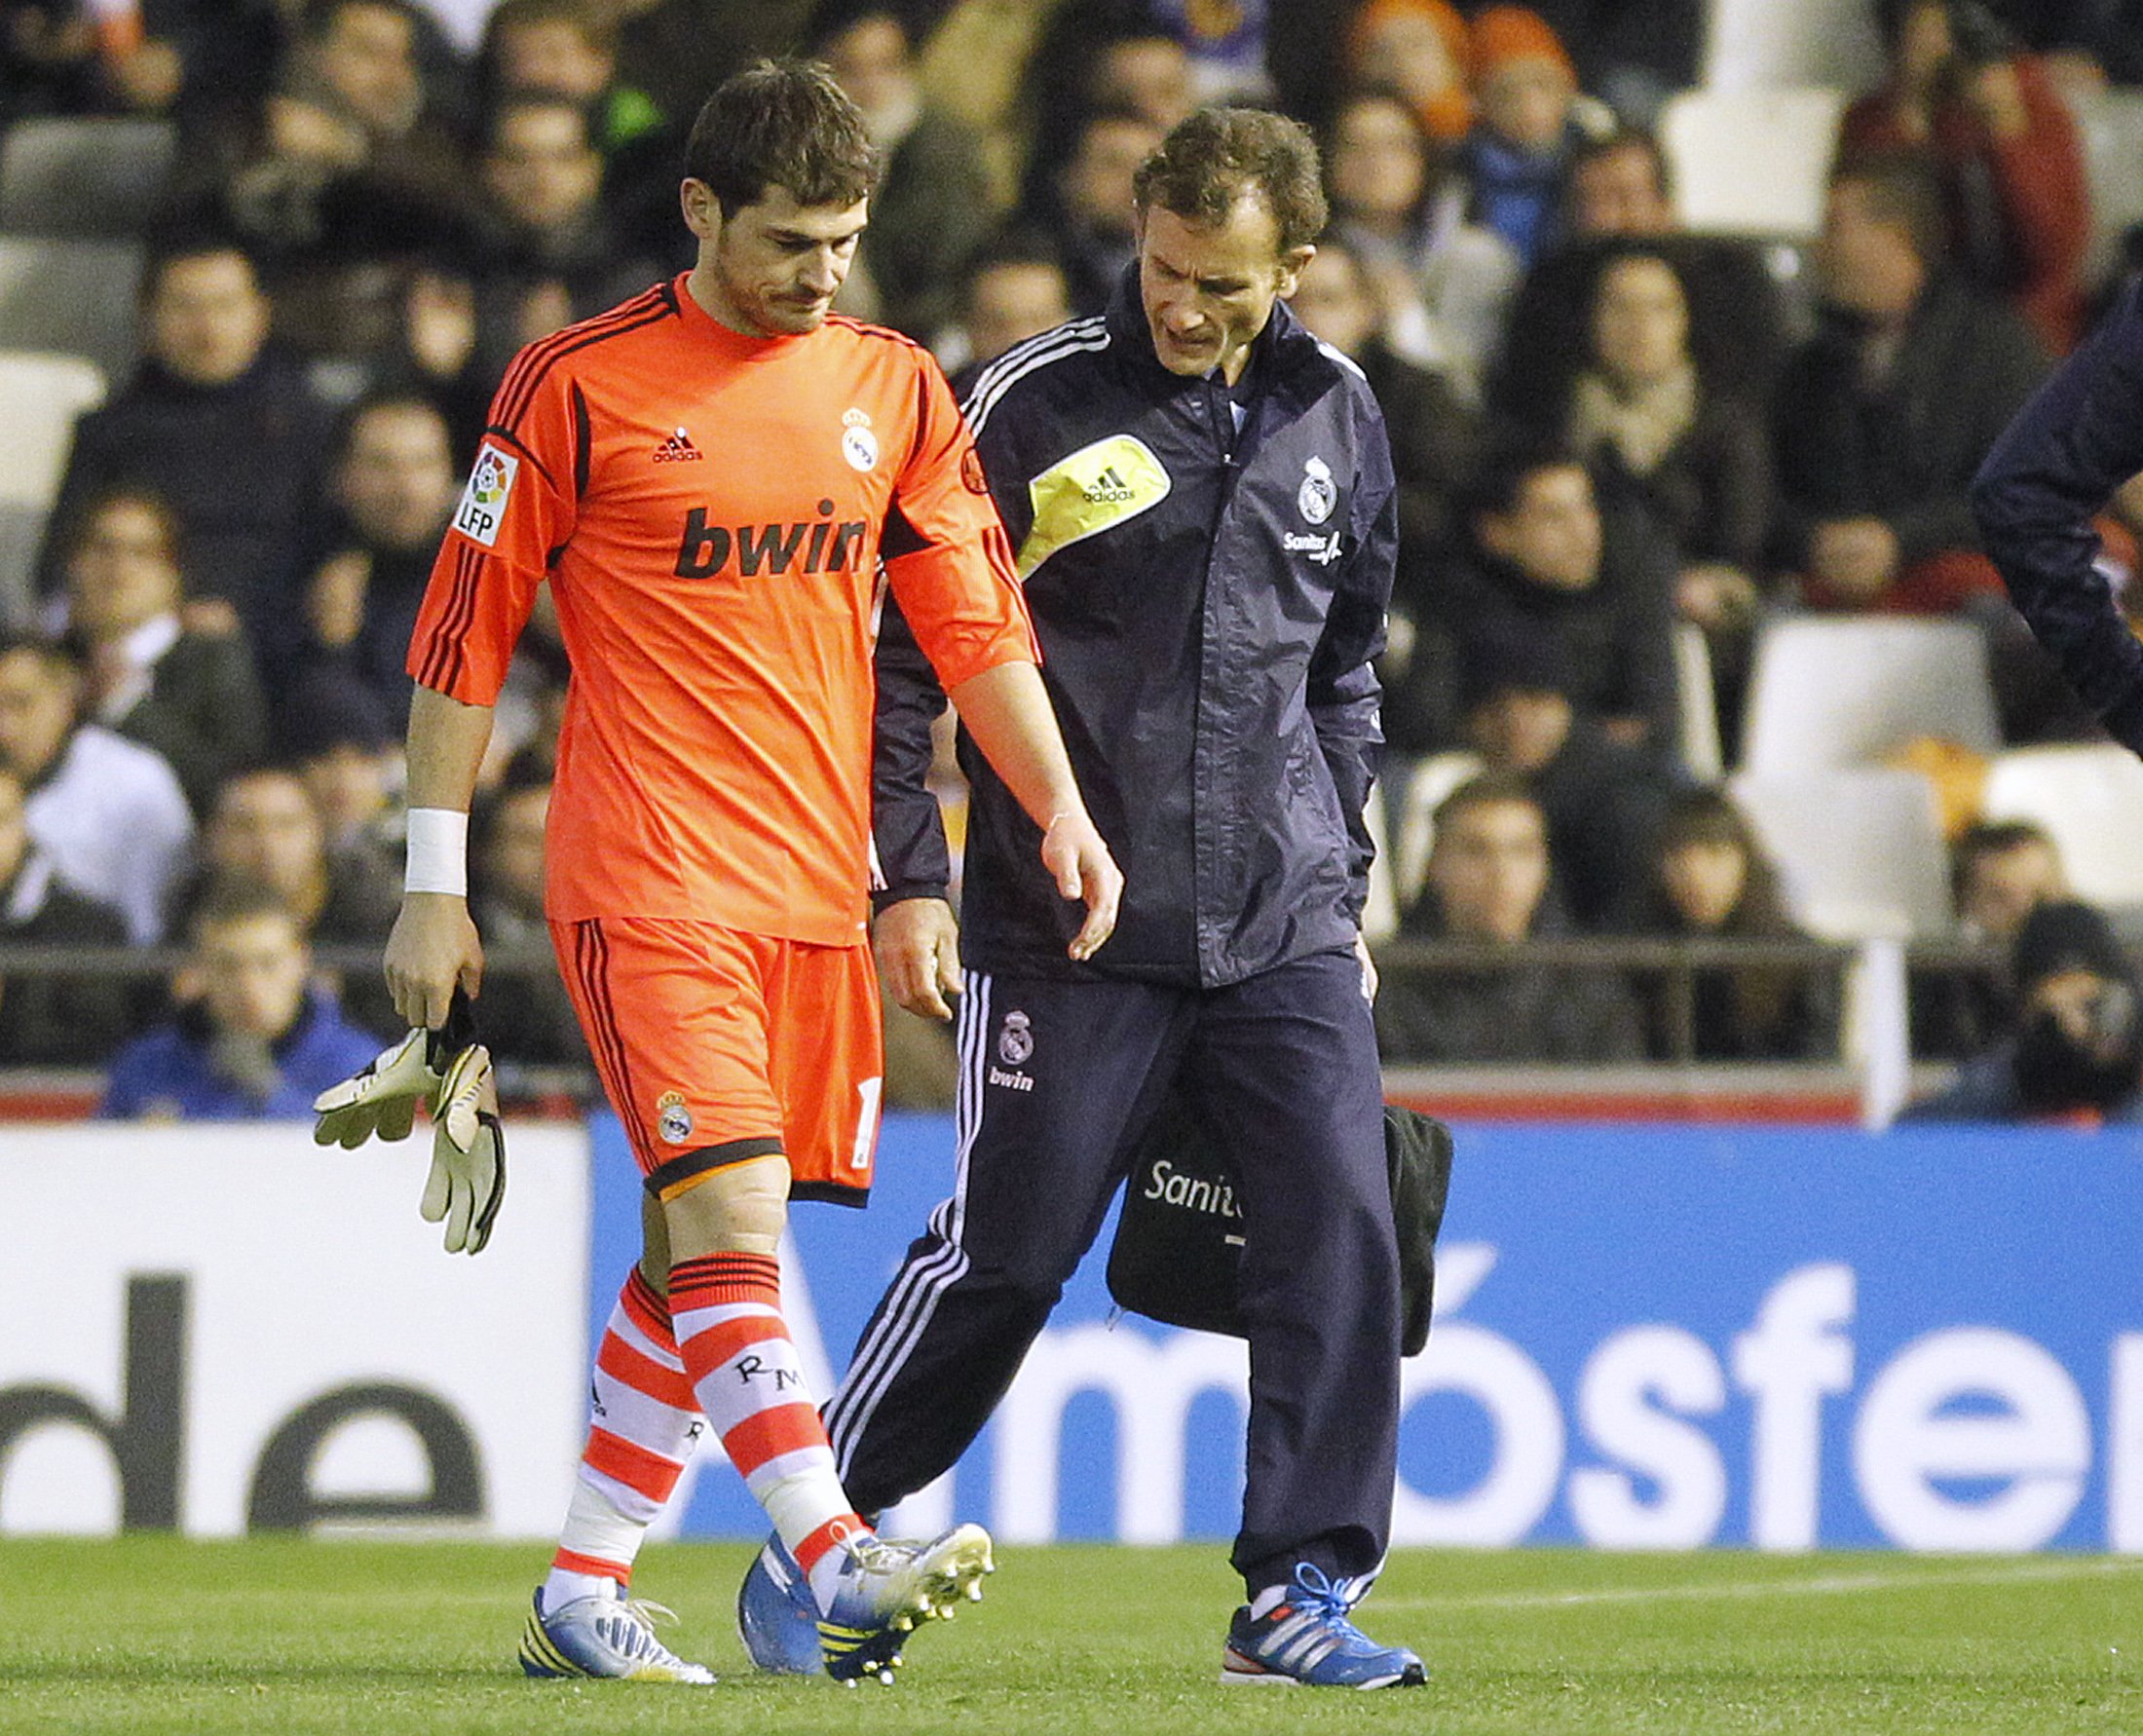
[1625, 450]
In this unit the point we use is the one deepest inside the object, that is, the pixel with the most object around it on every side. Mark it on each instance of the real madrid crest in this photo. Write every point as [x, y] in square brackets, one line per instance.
[673, 1119]
[1015, 1041]
[1319, 493]
[858, 444]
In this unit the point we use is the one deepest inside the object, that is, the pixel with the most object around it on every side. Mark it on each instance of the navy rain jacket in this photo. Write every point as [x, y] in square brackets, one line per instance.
[1208, 603]
[2054, 466]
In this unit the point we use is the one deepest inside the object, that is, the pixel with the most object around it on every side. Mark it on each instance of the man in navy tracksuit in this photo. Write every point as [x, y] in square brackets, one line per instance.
[2054, 468]
[1201, 497]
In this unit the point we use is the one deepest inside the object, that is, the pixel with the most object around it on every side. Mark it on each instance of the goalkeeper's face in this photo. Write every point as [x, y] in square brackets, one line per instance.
[250, 974]
[773, 268]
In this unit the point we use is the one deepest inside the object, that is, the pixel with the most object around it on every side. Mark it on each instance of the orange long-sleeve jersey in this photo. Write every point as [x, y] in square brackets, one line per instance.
[709, 509]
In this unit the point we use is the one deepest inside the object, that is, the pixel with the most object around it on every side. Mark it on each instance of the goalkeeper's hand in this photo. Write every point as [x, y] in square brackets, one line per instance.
[468, 1180]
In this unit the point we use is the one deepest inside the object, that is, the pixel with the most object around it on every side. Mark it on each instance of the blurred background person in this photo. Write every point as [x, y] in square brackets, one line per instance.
[1882, 417]
[1620, 191]
[351, 600]
[1999, 871]
[191, 696]
[1540, 562]
[1962, 89]
[1490, 881]
[1012, 290]
[1085, 202]
[1529, 119]
[265, 831]
[1442, 280]
[108, 813]
[1417, 49]
[934, 205]
[254, 1038]
[219, 423]
[1708, 879]
[2074, 1050]
[53, 1019]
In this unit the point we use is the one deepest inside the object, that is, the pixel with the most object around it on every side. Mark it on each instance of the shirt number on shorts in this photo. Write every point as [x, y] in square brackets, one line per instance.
[866, 1122]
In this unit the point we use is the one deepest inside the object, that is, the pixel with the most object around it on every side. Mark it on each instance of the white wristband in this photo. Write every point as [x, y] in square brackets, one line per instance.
[438, 851]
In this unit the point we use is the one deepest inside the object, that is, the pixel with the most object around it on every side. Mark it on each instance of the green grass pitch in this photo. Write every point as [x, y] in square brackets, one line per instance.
[152, 1635]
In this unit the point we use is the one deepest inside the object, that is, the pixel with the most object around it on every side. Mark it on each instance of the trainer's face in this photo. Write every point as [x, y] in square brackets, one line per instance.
[771, 269]
[1209, 289]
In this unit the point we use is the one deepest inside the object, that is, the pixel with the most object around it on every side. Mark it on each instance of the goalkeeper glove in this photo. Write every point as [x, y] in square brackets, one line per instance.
[452, 1072]
[468, 1181]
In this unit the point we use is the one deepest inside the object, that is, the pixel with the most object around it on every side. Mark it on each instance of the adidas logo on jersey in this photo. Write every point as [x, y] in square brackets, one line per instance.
[678, 449]
[1107, 489]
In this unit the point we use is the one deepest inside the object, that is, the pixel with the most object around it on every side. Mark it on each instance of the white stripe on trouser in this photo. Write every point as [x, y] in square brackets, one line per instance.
[915, 1292]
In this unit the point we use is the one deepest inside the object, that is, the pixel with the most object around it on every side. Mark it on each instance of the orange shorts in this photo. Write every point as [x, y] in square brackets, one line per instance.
[716, 1046]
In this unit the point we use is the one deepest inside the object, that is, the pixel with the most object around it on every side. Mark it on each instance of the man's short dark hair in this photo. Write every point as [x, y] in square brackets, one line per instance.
[1904, 188]
[1993, 838]
[782, 124]
[227, 900]
[56, 656]
[391, 397]
[1625, 137]
[1503, 473]
[1217, 156]
[1482, 790]
[178, 246]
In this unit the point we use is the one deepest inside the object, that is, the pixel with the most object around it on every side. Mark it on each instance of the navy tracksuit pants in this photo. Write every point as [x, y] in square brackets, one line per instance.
[1057, 1082]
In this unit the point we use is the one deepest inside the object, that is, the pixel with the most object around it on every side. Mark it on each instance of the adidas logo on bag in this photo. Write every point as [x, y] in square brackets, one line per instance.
[1106, 489]
[678, 449]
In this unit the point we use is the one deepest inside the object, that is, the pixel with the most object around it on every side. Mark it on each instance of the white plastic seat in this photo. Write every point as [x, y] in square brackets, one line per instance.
[1858, 849]
[1752, 162]
[2111, 125]
[1760, 43]
[40, 397]
[84, 176]
[1844, 690]
[69, 295]
[2089, 800]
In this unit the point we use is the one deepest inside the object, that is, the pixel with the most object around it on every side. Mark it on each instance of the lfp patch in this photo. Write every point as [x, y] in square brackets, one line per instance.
[483, 500]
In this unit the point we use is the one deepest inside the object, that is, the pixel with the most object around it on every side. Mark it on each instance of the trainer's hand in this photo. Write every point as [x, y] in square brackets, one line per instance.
[433, 950]
[1079, 862]
[1368, 967]
[918, 946]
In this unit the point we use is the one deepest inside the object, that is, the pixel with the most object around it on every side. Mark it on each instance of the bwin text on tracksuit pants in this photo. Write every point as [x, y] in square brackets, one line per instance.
[1057, 1082]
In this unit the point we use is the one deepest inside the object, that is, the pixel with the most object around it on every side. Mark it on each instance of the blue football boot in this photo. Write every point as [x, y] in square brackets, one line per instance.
[776, 1616]
[1307, 1640]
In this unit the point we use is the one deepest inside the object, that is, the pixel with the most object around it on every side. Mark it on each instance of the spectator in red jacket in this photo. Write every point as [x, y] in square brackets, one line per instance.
[2012, 165]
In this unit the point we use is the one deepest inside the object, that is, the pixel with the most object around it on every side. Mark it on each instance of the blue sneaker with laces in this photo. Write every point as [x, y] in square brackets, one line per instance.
[1305, 1640]
[611, 1638]
[883, 1589]
[776, 1616]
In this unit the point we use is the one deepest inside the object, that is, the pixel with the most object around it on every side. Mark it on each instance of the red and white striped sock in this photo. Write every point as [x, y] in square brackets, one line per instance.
[727, 1309]
[646, 1421]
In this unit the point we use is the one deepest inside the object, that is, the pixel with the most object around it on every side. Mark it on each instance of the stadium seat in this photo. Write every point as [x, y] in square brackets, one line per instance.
[83, 177]
[1426, 785]
[2089, 799]
[1698, 698]
[1752, 162]
[2111, 122]
[1858, 849]
[71, 295]
[1752, 45]
[40, 397]
[1843, 690]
